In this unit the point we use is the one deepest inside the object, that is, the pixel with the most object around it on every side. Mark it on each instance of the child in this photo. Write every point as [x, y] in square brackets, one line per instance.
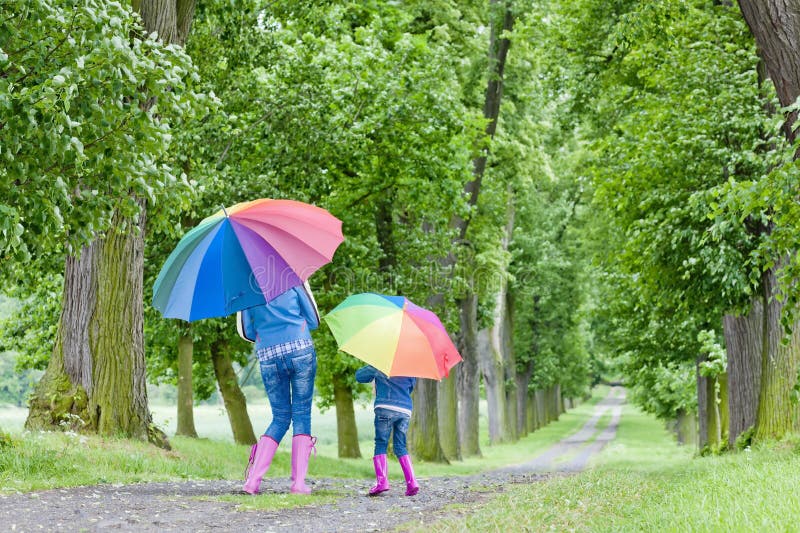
[392, 412]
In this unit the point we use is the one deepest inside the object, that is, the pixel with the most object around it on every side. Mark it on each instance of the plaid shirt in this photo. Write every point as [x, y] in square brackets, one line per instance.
[269, 352]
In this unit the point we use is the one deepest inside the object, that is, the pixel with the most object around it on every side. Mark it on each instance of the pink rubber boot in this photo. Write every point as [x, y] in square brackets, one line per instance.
[379, 461]
[302, 446]
[261, 455]
[408, 471]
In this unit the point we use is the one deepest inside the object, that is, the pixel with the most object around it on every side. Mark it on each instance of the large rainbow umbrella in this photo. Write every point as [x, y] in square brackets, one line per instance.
[394, 335]
[245, 256]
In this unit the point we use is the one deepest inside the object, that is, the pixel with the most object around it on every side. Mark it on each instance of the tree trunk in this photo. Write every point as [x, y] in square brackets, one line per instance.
[492, 372]
[685, 427]
[702, 407]
[724, 408]
[777, 415]
[775, 25]
[715, 402]
[468, 378]
[185, 392]
[448, 415]
[559, 403]
[232, 396]
[96, 377]
[532, 418]
[346, 429]
[744, 339]
[524, 422]
[541, 408]
[424, 445]
[510, 431]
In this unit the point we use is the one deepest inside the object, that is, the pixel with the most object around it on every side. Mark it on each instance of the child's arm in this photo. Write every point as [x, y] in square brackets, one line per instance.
[365, 374]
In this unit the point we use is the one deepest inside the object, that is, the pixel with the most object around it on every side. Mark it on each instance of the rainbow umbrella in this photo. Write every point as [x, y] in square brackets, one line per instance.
[394, 335]
[244, 256]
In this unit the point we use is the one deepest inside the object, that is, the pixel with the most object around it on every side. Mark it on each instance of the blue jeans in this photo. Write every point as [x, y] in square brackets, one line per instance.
[387, 420]
[289, 382]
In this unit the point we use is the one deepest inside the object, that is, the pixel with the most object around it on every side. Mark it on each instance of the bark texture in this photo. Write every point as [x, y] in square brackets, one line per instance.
[525, 422]
[96, 377]
[777, 415]
[426, 416]
[448, 415]
[468, 383]
[775, 25]
[346, 429]
[185, 391]
[743, 344]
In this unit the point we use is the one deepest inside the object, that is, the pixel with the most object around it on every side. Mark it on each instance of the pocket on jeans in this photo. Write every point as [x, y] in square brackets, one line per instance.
[269, 374]
[305, 365]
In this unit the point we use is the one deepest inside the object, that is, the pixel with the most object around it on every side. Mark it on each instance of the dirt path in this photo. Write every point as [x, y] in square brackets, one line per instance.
[189, 506]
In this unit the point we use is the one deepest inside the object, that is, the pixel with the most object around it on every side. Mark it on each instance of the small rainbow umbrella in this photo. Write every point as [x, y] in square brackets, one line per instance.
[394, 335]
[245, 256]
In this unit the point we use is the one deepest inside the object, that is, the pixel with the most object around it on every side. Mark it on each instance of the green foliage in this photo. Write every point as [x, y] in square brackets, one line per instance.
[354, 110]
[669, 106]
[87, 109]
[716, 362]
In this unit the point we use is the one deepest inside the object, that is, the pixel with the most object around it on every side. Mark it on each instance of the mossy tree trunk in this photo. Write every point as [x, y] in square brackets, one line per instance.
[777, 415]
[706, 410]
[468, 383]
[185, 391]
[775, 25]
[346, 429]
[95, 380]
[232, 396]
[724, 417]
[448, 415]
[744, 344]
[423, 434]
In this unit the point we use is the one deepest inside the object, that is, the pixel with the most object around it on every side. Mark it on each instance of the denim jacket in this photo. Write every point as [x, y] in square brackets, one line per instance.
[288, 317]
[389, 392]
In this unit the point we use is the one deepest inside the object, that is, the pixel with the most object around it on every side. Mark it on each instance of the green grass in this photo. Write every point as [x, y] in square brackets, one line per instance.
[644, 482]
[37, 461]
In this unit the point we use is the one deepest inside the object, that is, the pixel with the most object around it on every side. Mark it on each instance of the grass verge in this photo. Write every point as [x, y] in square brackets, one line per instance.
[644, 482]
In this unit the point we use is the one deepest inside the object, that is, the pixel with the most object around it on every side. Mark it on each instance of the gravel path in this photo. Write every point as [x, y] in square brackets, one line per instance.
[191, 505]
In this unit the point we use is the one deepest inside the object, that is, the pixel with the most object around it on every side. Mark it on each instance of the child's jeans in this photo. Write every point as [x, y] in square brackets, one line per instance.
[385, 421]
[289, 381]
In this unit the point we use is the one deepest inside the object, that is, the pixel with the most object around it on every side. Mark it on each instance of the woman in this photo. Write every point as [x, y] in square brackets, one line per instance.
[281, 332]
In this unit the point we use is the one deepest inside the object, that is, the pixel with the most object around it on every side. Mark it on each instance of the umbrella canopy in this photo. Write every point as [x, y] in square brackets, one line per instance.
[394, 335]
[244, 256]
